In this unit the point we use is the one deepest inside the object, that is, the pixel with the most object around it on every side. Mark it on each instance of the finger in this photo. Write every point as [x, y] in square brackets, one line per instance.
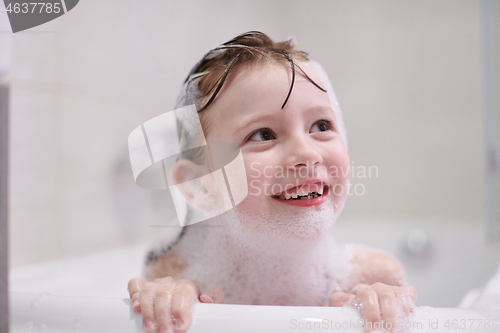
[134, 290]
[214, 295]
[163, 305]
[186, 293]
[370, 308]
[411, 294]
[147, 306]
[387, 303]
[403, 301]
[341, 299]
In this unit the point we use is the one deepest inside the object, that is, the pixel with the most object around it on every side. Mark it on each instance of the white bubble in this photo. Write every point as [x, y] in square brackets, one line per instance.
[259, 257]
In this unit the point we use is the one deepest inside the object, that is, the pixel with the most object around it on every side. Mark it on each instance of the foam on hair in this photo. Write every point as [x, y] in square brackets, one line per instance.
[318, 69]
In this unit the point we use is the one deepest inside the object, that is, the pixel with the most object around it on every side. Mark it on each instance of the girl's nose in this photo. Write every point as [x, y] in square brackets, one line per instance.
[301, 153]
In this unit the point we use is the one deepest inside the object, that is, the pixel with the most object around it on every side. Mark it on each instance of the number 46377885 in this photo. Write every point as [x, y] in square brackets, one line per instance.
[34, 7]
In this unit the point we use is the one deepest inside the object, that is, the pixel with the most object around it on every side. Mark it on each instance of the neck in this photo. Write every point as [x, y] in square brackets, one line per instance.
[254, 269]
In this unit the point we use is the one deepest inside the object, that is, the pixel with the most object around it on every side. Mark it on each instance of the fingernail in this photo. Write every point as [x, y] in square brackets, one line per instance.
[206, 298]
[150, 325]
[179, 323]
[346, 298]
[135, 305]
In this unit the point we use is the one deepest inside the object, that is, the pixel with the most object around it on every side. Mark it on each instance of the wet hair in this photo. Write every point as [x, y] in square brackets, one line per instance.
[206, 79]
[248, 48]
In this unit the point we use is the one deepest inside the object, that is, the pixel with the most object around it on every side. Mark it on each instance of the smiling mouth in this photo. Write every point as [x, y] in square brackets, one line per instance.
[302, 194]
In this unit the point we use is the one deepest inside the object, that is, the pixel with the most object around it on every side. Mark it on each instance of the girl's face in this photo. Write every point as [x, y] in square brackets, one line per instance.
[295, 159]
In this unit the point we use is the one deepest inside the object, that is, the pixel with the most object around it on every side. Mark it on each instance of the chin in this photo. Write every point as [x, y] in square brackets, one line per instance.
[308, 224]
[311, 234]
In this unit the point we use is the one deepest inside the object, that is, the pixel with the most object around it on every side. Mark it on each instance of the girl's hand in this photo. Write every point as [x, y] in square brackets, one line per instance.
[166, 303]
[379, 303]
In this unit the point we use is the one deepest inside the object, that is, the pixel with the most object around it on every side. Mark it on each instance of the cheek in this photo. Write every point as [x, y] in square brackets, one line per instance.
[339, 171]
[345, 162]
[259, 177]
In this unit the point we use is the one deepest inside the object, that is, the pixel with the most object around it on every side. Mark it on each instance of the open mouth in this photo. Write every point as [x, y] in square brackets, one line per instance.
[303, 193]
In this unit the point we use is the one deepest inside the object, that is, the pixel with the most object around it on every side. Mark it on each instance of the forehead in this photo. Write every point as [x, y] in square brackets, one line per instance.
[261, 89]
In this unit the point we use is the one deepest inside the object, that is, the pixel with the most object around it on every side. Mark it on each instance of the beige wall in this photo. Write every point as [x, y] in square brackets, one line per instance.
[407, 74]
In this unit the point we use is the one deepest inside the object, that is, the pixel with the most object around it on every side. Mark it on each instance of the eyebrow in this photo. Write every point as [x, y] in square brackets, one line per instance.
[252, 121]
[321, 109]
[327, 109]
[269, 116]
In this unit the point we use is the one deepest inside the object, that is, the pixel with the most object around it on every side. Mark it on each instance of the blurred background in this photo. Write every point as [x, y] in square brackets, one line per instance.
[410, 78]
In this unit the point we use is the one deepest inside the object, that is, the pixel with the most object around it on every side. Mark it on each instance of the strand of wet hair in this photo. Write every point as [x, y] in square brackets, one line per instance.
[245, 34]
[222, 47]
[292, 66]
[310, 80]
[221, 82]
[209, 55]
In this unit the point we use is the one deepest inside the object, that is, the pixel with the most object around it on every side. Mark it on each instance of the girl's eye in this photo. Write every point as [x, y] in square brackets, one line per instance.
[322, 126]
[264, 134]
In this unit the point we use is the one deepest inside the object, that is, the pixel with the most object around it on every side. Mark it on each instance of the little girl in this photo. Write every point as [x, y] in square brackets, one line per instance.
[275, 247]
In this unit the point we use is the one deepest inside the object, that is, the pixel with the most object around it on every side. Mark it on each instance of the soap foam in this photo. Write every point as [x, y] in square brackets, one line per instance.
[296, 225]
[267, 258]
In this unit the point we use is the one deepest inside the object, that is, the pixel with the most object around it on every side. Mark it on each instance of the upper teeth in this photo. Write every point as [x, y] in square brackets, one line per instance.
[302, 192]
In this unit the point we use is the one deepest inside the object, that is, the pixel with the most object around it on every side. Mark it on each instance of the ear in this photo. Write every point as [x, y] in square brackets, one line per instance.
[186, 177]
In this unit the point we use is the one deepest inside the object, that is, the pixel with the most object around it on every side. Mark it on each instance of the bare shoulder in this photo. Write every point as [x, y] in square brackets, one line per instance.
[161, 263]
[371, 265]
